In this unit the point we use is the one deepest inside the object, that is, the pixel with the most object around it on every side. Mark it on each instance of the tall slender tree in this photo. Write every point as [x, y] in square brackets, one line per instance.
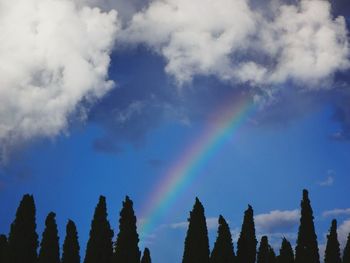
[272, 255]
[332, 253]
[196, 243]
[264, 251]
[223, 251]
[346, 253]
[3, 249]
[99, 248]
[246, 245]
[49, 247]
[23, 239]
[71, 245]
[126, 248]
[306, 250]
[146, 258]
[286, 252]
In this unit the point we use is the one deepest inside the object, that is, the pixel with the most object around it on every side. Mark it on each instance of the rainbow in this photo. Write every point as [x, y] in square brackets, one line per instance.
[185, 170]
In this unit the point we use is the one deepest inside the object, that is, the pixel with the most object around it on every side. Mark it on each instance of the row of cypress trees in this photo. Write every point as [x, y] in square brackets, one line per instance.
[306, 250]
[22, 244]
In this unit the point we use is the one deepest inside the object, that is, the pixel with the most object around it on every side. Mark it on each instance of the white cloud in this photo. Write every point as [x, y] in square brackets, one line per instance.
[336, 212]
[329, 181]
[277, 221]
[343, 232]
[212, 223]
[53, 55]
[228, 39]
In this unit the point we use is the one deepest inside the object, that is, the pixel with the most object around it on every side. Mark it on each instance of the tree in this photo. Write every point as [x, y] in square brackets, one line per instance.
[99, 248]
[264, 251]
[71, 245]
[332, 253]
[126, 248]
[286, 252]
[223, 251]
[246, 245]
[146, 258]
[346, 253]
[306, 250]
[49, 247]
[3, 249]
[23, 239]
[196, 242]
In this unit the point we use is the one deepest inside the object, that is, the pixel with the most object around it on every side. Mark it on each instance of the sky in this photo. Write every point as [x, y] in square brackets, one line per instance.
[235, 102]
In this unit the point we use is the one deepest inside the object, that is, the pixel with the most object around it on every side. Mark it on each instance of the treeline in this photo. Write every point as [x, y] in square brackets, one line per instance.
[22, 244]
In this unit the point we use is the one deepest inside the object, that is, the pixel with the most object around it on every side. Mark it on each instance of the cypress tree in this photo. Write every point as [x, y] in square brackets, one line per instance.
[346, 253]
[3, 249]
[99, 248]
[49, 247]
[286, 252]
[223, 251]
[332, 253]
[126, 248]
[196, 242]
[23, 239]
[306, 250]
[71, 245]
[264, 251]
[146, 258]
[246, 245]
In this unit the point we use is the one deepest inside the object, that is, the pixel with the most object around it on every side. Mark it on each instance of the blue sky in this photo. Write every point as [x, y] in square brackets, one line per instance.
[83, 136]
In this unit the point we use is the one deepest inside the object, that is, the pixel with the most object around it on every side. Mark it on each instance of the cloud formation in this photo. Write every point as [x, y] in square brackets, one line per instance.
[235, 42]
[276, 221]
[336, 212]
[53, 55]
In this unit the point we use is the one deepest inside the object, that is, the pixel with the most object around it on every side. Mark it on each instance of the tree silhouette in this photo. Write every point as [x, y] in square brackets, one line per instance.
[223, 251]
[264, 251]
[286, 252]
[99, 248]
[146, 258]
[272, 255]
[246, 245]
[23, 239]
[71, 245]
[332, 253]
[196, 243]
[346, 253]
[126, 248]
[49, 247]
[306, 250]
[3, 249]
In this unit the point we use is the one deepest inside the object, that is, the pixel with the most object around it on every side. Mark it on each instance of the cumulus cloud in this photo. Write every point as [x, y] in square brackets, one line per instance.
[234, 42]
[53, 55]
[276, 221]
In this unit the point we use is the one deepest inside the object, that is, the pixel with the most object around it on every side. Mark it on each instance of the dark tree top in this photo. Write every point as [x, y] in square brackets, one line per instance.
[99, 248]
[71, 245]
[346, 253]
[196, 243]
[3, 249]
[306, 250]
[49, 247]
[286, 252]
[246, 245]
[126, 246]
[223, 251]
[332, 253]
[264, 251]
[146, 258]
[23, 239]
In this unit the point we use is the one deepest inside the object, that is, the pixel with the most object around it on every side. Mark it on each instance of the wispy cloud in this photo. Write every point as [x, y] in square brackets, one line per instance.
[336, 212]
[277, 221]
[212, 223]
